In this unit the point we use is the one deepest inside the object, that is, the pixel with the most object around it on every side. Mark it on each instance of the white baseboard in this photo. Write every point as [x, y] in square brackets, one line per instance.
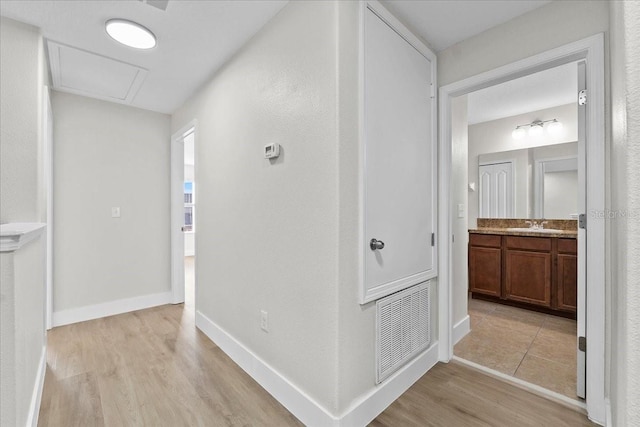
[377, 400]
[608, 415]
[461, 329]
[111, 308]
[36, 396]
[302, 406]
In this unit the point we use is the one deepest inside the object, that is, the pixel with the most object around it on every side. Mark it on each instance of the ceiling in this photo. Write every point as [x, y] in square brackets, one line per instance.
[196, 37]
[443, 23]
[546, 89]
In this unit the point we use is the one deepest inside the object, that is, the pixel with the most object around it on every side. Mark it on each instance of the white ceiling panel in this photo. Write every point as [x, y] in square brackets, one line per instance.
[85, 73]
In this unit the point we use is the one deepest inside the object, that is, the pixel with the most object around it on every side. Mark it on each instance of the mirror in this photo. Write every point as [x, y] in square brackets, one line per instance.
[538, 182]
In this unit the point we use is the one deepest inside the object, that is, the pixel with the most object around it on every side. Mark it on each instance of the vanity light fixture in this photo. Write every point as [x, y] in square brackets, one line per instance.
[130, 33]
[536, 128]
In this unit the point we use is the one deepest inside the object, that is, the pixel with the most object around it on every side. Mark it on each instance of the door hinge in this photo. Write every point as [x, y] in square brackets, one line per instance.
[433, 239]
[582, 344]
[432, 91]
[582, 221]
[582, 97]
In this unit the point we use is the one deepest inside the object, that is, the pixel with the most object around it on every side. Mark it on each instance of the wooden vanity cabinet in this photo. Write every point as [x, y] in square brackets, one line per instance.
[535, 272]
[528, 270]
[567, 275]
[485, 261]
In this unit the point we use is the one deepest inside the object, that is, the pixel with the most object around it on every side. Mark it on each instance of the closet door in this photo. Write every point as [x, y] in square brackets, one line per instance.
[399, 201]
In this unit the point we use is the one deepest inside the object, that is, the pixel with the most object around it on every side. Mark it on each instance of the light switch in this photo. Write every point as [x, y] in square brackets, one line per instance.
[115, 212]
[460, 210]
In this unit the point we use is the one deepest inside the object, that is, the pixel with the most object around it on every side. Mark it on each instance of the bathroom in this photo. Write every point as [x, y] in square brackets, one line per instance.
[521, 186]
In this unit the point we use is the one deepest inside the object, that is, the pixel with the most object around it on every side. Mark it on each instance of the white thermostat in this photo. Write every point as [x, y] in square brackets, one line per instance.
[271, 151]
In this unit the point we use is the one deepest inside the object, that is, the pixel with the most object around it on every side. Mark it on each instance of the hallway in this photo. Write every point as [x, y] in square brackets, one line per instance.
[153, 367]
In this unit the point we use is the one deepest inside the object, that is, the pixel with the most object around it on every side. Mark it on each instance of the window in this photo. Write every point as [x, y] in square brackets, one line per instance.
[188, 206]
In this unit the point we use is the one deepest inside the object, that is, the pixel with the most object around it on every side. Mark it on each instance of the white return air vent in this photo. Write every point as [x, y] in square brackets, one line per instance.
[402, 328]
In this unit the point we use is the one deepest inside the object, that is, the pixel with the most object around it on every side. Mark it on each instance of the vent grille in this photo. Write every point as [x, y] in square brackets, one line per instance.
[158, 4]
[402, 327]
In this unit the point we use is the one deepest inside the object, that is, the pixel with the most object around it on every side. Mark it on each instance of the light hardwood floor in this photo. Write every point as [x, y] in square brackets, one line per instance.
[154, 368]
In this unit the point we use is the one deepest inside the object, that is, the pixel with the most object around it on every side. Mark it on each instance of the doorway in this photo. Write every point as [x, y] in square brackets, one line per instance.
[591, 252]
[183, 215]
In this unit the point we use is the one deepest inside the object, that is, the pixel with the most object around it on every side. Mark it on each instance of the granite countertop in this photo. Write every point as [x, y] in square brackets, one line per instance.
[566, 234]
[501, 227]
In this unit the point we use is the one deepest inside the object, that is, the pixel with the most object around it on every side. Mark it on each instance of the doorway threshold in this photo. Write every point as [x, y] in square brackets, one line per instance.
[563, 400]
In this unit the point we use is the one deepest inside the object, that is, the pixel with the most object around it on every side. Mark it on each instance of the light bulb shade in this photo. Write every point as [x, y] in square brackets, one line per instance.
[536, 129]
[518, 133]
[555, 128]
[130, 34]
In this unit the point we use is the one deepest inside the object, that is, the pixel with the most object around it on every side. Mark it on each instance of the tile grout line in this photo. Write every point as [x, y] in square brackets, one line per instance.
[530, 344]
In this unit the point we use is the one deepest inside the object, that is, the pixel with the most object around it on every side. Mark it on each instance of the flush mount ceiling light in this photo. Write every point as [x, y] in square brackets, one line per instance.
[536, 128]
[130, 33]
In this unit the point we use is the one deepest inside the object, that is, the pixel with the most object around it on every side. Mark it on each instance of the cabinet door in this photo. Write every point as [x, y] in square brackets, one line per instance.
[399, 199]
[485, 270]
[528, 277]
[567, 282]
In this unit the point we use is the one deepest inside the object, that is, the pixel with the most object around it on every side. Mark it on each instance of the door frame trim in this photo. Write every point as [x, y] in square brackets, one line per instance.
[591, 50]
[176, 187]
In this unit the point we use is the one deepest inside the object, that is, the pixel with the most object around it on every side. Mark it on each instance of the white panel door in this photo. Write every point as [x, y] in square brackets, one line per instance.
[399, 172]
[496, 191]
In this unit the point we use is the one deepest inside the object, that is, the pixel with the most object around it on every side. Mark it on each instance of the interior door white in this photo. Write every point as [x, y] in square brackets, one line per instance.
[399, 150]
[496, 190]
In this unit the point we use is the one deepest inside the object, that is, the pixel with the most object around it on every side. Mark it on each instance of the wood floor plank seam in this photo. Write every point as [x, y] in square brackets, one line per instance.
[154, 368]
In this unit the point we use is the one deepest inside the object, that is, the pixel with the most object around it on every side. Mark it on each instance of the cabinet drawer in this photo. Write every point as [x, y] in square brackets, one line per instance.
[486, 240]
[568, 246]
[529, 243]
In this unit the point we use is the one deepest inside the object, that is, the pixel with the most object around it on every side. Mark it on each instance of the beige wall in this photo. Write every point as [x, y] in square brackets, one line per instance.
[109, 155]
[625, 218]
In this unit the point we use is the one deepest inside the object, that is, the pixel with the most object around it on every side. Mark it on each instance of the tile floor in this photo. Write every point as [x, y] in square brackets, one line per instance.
[535, 347]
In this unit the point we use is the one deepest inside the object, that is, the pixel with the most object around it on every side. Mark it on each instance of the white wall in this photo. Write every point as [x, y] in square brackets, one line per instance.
[625, 220]
[459, 188]
[108, 155]
[269, 228]
[22, 278]
[542, 29]
[21, 79]
[495, 137]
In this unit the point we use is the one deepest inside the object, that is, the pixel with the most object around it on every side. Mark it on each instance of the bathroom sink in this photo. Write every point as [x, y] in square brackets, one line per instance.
[536, 230]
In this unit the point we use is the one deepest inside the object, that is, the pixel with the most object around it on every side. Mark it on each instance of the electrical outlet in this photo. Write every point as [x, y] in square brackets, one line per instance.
[115, 212]
[264, 320]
